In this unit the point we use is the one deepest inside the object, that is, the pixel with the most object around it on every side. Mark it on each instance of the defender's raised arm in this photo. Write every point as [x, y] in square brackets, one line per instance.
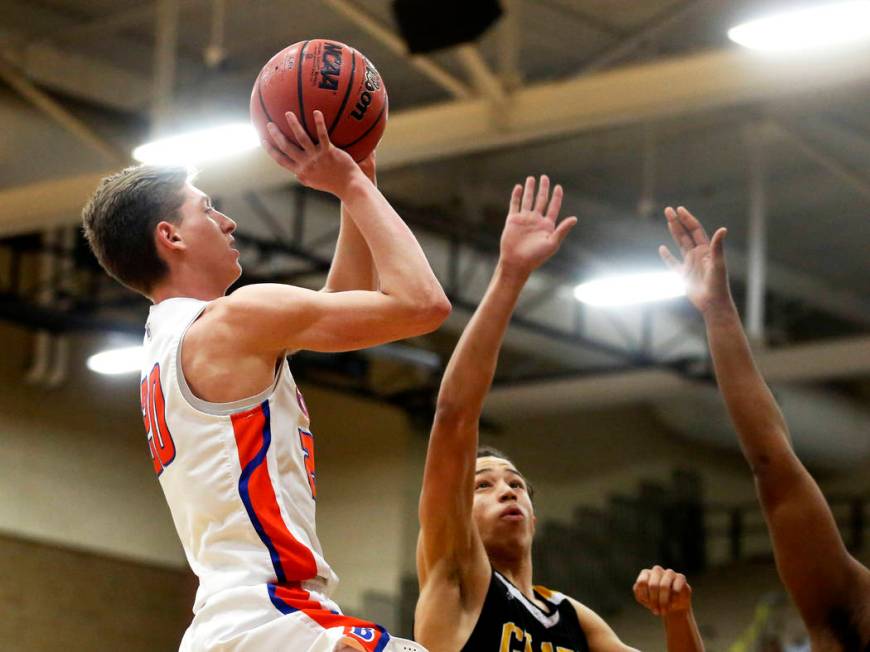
[826, 583]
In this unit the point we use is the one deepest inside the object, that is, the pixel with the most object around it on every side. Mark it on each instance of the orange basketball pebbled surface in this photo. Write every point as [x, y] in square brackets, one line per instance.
[324, 75]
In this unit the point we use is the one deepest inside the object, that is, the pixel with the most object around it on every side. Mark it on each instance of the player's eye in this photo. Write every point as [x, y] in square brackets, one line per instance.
[516, 484]
[483, 484]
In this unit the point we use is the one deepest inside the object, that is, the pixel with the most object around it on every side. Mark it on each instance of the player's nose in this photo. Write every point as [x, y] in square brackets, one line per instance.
[506, 492]
[229, 224]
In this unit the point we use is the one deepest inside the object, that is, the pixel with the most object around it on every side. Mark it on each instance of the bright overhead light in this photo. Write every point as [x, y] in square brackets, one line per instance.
[199, 147]
[629, 289]
[806, 29]
[117, 361]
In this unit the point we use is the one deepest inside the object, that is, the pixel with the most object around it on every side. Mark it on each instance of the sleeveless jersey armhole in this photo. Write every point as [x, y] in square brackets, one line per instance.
[218, 409]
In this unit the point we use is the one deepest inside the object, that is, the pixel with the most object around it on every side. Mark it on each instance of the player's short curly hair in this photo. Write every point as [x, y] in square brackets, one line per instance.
[489, 451]
[120, 217]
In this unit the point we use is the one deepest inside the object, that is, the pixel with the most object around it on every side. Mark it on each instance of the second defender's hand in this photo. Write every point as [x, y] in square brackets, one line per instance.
[703, 266]
[531, 235]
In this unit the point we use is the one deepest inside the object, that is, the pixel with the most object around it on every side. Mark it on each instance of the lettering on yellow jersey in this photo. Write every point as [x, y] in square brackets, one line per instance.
[514, 639]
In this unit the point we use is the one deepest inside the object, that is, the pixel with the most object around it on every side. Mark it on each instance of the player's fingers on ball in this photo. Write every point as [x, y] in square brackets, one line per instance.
[298, 130]
[282, 159]
[543, 194]
[528, 194]
[279, 140]
[516, 198]
[322, 131]
[555, 203]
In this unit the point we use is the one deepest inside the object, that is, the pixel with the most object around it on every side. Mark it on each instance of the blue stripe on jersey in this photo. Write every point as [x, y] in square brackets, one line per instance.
[252, 466]
[280, 605]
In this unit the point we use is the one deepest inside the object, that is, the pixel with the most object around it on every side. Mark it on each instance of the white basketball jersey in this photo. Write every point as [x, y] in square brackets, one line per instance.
[239, 477]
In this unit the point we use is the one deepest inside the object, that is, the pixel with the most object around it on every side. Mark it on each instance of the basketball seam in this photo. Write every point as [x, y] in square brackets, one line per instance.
[266, 111]
[346, 93]
[299, 94]
[367, 131]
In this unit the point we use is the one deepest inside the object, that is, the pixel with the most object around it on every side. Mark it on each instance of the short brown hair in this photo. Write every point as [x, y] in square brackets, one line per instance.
[119, 221]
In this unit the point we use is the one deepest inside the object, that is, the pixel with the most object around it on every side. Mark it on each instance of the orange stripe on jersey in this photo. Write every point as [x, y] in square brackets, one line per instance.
[289, 599]
[291, 559]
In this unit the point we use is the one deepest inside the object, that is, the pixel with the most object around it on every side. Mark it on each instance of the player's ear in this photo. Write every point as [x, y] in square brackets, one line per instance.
[167, 237]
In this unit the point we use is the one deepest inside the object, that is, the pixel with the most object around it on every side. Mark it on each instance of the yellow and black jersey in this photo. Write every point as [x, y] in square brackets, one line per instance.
[510, 622]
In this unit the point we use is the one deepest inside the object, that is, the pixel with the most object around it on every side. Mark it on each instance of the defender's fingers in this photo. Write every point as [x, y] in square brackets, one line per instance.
[665, 590]
[678, 232]
[299, 132]
[555, 203]
[717, 244]
[693, 227]
[322, 131]
[543, 194]
[528, 194]
[641, 588]
[516, 196]
[669, 260]
[655, 581]
[564, 228]
[680, 584]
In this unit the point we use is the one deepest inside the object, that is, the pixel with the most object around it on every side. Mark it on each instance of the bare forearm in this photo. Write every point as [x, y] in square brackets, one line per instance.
[401, 265]
[760, 426]
[470, 371]
[682, 633]
[352, 266]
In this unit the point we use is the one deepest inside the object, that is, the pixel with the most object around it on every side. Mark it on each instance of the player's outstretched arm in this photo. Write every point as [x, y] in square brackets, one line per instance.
[447, 537]
[352, 265]
[811, 558]
[409, 301]
[667, 593]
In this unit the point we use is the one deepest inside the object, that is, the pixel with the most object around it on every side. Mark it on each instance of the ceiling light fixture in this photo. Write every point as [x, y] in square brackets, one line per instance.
[810, 28]
[117, 361]
[199, 147]
[630, 289]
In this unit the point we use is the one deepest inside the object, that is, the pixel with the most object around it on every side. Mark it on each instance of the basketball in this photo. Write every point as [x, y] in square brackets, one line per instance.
[324, 75]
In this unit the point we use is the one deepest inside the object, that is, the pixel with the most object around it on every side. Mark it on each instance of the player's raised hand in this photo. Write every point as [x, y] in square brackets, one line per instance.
[320, 165]
[703, 266]
[663, 591]
[531, 233]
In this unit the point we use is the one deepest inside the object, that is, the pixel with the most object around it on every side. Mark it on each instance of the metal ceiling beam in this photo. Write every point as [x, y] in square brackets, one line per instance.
[694, 84]
[80, 76]
[104, 26]
[655, 28]
[59, 114]
[814, 362]
[860, 183]
[509, 40]
[484, 79]
[437, 73]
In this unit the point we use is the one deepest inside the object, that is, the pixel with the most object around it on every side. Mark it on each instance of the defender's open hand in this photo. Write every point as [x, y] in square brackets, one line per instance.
[531, 234]
[703, 266]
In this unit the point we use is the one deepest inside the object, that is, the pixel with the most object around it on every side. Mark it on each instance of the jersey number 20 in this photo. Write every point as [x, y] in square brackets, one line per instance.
[154, 415]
